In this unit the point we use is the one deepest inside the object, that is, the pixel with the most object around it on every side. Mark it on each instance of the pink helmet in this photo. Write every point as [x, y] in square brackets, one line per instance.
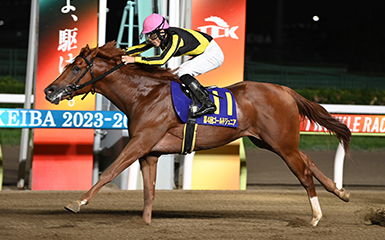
[154, 22]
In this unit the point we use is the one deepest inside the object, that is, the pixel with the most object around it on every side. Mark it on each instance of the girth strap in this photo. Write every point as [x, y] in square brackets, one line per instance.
[190, 127]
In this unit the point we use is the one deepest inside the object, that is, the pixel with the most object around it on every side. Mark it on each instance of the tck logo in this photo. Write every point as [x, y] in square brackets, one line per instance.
[221, 29]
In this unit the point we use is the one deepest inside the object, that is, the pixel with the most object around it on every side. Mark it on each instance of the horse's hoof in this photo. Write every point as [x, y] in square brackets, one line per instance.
[344, 195]
[147, 218]
[73, 207]
[148, 222]
[314, 222]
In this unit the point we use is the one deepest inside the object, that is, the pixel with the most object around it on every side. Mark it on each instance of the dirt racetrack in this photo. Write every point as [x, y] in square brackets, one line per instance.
[259, 213]
[269, 209]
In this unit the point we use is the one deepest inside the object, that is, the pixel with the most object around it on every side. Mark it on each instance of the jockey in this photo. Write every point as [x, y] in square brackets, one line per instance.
[205, 52]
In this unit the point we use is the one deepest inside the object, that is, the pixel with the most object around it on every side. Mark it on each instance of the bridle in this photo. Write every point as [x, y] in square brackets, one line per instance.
[70, 89]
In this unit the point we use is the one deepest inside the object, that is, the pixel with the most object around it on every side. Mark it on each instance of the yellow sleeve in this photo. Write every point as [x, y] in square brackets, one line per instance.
[137, 49]
[167, 53]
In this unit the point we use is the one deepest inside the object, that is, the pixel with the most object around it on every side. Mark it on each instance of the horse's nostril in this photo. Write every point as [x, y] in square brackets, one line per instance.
[49, 90]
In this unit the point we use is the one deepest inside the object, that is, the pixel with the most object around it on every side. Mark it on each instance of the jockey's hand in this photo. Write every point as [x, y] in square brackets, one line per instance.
[128, 59]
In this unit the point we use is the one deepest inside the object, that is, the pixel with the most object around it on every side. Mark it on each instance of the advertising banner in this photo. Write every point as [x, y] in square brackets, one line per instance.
[63, 158]
[372, 124]
[23, 118]
[225, 21]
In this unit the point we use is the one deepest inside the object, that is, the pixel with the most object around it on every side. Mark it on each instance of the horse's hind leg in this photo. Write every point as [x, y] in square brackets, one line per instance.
[305, 176]
[148, 165]
[328, 184]
[292, 157]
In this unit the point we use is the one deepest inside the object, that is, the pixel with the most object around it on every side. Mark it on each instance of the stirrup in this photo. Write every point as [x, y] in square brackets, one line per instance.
[205, 109]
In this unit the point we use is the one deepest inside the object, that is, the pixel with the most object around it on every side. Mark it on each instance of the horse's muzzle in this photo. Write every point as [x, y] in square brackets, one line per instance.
[53, 94]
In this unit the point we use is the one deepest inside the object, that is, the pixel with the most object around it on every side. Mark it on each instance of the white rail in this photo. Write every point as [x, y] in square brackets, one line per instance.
[340, 153]
[355, 109]
[14, 98]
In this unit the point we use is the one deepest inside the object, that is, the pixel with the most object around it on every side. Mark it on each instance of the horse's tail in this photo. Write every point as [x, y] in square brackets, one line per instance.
[316, 113]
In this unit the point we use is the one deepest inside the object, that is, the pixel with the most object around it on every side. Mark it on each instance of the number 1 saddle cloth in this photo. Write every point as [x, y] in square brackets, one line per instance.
[224, 116]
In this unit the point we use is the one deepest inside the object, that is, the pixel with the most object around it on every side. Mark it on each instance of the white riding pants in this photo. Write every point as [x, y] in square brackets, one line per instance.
[210, 59]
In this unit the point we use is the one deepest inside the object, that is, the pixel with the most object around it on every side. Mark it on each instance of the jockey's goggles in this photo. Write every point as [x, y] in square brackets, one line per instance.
[152, 35]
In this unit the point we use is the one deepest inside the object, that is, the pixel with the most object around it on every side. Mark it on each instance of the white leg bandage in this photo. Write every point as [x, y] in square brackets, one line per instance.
[316, 208]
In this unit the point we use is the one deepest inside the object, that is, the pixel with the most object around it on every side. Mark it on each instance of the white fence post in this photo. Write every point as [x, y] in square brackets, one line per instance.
[339, 166]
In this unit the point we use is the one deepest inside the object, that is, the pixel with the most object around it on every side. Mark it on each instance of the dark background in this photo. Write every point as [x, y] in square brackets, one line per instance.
[349, 33]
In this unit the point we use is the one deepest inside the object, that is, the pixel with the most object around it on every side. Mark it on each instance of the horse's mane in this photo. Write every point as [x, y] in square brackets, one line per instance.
[110, 52]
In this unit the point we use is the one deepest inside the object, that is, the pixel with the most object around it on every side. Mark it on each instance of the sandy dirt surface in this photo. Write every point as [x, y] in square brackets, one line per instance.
[260, 213]
[273, 207]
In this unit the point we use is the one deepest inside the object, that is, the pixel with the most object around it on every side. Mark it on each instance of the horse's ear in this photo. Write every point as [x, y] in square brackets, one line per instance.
[84, 50]
[94, 52]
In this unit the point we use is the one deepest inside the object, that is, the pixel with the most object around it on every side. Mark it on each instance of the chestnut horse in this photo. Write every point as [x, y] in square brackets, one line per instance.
[268, 114]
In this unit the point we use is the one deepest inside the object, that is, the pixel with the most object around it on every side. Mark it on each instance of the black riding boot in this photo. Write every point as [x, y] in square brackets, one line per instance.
[201, 93]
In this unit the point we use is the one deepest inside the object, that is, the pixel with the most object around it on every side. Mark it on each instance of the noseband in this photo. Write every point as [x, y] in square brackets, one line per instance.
[70, 89]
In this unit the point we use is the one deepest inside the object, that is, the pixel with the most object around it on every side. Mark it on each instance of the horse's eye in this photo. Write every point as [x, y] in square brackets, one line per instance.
[76, 69]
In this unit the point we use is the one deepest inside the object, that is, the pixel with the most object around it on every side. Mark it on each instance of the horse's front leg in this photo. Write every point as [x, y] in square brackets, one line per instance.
[129, 155]
[148, 165]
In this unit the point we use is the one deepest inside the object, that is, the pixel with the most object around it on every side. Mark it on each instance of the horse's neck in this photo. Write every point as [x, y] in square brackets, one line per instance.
[126, 91]
[117, 92]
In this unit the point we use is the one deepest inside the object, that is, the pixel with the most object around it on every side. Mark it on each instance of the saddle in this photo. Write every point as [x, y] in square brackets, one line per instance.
[185, 103]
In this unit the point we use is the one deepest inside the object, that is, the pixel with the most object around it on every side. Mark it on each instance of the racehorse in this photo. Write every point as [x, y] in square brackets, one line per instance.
[268, 114]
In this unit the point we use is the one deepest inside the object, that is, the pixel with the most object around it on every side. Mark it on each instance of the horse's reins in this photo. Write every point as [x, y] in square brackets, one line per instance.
[70, 89]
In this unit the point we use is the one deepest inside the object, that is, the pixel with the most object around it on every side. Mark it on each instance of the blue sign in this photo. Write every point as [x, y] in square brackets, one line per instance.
[23, 118]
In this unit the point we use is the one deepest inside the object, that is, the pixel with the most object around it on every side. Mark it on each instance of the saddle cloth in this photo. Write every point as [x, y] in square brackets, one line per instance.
[224, 116]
